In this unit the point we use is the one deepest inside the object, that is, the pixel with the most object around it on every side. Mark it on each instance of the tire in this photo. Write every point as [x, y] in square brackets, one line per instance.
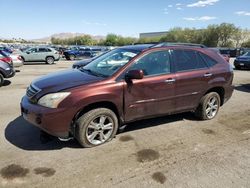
[50, 60]
[207, 111]
[1, 80]
[72, 57]
[90, 132]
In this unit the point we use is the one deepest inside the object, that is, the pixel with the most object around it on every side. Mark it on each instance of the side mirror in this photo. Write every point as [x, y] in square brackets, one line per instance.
[27, 52]
[134, 74]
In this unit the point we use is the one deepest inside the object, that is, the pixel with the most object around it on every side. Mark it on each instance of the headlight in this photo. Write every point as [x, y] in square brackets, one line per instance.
[52, 100]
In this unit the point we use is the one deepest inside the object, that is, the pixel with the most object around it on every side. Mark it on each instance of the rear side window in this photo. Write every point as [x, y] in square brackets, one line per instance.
[42, 49]
[210, 62]
[186, 60]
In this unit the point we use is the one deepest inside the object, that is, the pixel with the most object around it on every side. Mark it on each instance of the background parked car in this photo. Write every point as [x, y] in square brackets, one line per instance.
[6, 71]
[6, 49]
[43, 54]
[79, 53]
[16, 59]
[242, 61]
[225, 55]
[5, 57]
[84, 62]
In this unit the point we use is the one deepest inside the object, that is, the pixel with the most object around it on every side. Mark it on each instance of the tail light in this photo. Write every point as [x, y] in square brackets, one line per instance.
[7, 60]
[19, 58]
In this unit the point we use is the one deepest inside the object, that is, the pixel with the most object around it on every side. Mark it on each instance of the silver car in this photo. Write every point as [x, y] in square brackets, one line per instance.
[40, 54]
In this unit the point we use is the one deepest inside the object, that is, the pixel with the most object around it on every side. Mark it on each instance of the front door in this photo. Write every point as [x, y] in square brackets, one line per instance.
[154, 94]
[31, 54]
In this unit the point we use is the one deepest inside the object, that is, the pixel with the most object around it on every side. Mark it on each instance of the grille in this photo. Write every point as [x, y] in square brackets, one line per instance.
[32, 91]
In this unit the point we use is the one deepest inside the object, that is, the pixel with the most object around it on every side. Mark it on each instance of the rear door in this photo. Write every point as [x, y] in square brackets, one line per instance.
[42, 54]
[154, 94]
[192, 78]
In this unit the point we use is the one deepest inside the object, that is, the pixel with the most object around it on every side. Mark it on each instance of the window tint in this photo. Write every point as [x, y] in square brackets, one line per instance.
[187, 60]
[42, 49]
[210, 62]
[154, 63]
[33, 50]
[87, 54]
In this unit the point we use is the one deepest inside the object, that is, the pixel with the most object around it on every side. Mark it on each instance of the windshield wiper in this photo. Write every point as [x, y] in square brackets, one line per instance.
[93, 73]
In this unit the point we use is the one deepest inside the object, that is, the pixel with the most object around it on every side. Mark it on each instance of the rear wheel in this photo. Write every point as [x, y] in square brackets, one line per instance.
[96, 127]
[1, 80]
[50, 60]
[209, 106]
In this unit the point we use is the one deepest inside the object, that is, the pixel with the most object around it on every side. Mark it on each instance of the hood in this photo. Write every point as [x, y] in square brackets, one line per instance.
[64, 80]
[243, 58]
[70, 51]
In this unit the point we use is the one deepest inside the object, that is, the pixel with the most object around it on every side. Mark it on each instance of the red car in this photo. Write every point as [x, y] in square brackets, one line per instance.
[225, 56]
[4, 57]
[128, 84]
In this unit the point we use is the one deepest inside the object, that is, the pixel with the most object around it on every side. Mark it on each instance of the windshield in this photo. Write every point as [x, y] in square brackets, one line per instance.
[109, 63]
[247, 54]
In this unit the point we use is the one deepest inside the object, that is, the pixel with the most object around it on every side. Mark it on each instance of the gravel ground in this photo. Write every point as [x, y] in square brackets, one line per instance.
[172, 151]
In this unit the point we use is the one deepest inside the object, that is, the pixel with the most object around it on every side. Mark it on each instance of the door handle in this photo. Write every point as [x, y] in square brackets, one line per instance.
[208, 74]
[171, 80]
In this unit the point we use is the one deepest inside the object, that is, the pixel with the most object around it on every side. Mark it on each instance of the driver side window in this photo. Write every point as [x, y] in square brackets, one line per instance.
[154, 63]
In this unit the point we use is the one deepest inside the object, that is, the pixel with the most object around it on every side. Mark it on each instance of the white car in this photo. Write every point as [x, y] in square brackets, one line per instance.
[16, 59]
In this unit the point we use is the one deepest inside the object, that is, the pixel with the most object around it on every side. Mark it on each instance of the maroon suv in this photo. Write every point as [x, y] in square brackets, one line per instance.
[128, 84]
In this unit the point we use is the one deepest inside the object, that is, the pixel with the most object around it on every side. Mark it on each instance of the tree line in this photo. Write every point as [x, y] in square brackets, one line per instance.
[222, 35]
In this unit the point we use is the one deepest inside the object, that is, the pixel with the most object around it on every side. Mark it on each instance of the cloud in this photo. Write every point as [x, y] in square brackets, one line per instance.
[242, 13]
[179, 8]
[165, 11]
[178, 4]
[202, 18]
[203, 3]
[170, 6]
[93, 23]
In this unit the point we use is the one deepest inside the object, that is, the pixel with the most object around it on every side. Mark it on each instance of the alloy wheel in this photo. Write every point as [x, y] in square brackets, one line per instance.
[100, 129]
[212, 107]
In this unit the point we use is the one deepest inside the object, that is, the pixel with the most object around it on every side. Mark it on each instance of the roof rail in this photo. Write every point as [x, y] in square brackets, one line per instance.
[179, 44]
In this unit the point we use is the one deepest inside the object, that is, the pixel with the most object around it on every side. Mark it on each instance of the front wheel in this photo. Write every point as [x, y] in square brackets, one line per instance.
[96, 127]
[1, 80]
[209, 106]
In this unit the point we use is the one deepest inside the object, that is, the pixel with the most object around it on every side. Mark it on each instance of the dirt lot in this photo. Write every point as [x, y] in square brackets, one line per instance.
[173, 151]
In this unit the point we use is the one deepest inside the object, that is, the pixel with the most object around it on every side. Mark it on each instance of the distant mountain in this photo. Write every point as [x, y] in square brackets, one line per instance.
[65, 36]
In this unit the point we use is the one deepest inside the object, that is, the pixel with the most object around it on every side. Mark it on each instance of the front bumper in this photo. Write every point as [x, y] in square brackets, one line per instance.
[55, 122]
[10, 73]
[242, 64]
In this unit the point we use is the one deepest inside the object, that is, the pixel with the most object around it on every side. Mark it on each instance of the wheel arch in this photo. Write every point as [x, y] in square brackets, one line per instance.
[220, 91]
[100, 104]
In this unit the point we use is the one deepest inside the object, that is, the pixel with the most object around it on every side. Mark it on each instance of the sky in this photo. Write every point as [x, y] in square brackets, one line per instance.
[33, 19]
